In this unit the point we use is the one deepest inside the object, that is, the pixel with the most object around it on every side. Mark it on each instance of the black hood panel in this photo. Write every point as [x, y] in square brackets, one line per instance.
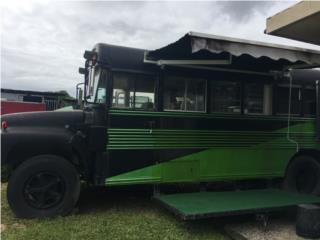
[44, 119]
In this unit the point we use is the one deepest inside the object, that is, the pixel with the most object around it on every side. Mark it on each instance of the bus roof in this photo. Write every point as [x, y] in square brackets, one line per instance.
[238, 53]
[124, 58]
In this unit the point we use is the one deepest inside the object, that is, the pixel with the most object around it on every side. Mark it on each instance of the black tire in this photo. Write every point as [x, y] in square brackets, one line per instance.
[303, 175]
[43, 186]
[308, 223]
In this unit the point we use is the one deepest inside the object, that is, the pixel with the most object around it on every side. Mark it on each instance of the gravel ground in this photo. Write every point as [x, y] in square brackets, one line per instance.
[277, 229]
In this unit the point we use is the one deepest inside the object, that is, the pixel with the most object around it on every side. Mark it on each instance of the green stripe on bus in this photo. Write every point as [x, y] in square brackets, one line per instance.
[197, 139]
[115, 112]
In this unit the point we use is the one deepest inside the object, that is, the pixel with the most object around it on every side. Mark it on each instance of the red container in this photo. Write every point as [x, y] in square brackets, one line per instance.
[14, 107]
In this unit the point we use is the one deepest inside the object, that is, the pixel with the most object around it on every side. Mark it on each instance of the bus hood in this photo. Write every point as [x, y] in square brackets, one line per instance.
[44, 119]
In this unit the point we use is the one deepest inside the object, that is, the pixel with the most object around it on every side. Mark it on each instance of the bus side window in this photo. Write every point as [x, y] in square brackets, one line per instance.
[184, 94]
[123, 90]
[195, 95]
[225, 97]
[258, 99]
[134, 91]
[174, 89]
[283, 100]
[144, 92]
[309, 101]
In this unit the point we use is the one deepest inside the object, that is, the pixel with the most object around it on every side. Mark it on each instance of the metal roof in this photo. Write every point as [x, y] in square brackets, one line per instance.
[194, 42]
[28, 92]
[300, 22]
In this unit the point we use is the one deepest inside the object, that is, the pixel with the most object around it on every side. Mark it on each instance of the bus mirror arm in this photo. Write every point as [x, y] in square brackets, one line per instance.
[79, 95]
[317, 110]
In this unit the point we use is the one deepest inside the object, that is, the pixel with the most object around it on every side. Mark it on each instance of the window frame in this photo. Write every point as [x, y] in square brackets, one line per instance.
[135, 73]
[94, 82]
[90, 94]
[185, 79]
[159, 92]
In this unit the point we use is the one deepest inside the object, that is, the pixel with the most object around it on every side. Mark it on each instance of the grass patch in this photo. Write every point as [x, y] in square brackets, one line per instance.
[109, 213]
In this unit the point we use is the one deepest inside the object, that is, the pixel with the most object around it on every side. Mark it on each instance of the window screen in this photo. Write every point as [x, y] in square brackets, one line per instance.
[133, 91]
[184, 94]
[225, 97]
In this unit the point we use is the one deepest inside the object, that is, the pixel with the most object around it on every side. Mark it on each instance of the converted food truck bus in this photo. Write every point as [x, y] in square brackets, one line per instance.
[203, 109]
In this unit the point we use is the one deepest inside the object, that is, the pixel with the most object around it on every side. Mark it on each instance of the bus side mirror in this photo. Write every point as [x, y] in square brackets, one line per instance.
[80, 96]
[82, 71]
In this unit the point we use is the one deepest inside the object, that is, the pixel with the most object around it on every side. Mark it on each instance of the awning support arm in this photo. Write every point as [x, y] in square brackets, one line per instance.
[289, 76]
[162, 62]
[317, 110]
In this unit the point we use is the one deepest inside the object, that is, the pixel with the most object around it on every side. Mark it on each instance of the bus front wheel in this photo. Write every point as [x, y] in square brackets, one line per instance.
[43, 186]
[303, 175]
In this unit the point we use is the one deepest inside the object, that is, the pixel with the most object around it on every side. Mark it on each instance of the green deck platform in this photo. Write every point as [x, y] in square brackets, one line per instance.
[209, 204]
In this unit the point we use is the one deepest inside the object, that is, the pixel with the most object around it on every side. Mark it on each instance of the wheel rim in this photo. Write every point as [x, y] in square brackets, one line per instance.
[44, 190]
[307, 179]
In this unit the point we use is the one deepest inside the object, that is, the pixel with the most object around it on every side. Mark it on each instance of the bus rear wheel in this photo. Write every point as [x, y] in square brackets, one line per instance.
[43, 186]
[303, 175]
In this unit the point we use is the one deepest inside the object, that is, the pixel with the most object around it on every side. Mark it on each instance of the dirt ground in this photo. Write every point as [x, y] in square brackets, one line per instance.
[278, 228]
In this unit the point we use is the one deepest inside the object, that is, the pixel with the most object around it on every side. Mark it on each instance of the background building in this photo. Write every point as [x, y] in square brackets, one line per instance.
[300, 22]
[25, 101]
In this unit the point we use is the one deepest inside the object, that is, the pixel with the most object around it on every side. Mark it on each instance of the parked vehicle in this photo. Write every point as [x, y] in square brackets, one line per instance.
[170, 116]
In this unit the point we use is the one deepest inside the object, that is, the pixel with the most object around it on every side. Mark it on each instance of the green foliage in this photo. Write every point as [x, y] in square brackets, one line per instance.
[108, 214]
[65, 99]
[65, 95]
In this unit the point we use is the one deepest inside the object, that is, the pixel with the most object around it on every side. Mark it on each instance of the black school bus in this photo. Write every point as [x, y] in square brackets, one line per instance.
[203, 109]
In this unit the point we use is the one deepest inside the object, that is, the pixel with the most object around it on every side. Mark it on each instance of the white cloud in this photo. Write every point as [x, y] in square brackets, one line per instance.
[43, 41]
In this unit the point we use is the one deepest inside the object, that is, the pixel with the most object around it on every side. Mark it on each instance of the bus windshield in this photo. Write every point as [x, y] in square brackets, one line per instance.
[96, 88]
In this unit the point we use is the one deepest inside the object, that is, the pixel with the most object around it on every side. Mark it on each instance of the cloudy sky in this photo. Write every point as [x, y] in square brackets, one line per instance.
[42, 42]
